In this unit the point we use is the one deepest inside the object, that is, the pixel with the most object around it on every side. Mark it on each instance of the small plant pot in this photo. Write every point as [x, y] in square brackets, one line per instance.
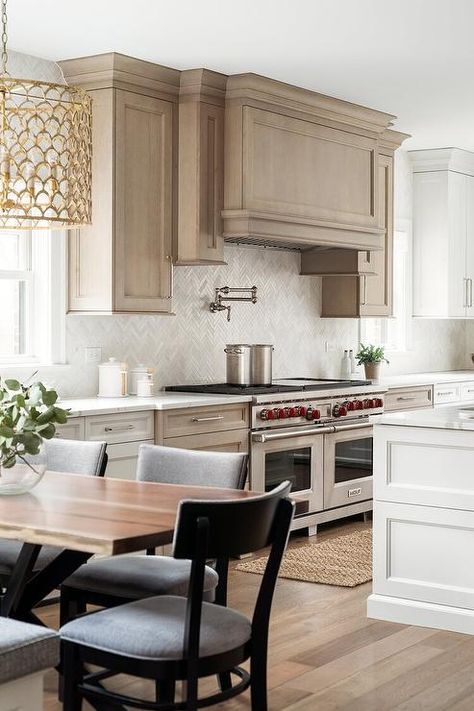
[372, 371]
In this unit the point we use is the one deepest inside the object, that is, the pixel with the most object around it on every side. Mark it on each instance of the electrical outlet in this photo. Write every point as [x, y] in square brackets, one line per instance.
[92, 354]
[329, 347]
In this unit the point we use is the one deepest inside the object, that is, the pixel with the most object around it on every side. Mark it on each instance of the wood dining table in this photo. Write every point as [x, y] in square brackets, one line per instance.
[82, 516]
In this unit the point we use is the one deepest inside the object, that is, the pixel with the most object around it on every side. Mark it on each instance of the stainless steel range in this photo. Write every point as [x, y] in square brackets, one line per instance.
[317, 434]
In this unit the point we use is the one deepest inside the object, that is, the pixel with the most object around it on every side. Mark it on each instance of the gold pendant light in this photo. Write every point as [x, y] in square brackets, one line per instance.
[45, 151]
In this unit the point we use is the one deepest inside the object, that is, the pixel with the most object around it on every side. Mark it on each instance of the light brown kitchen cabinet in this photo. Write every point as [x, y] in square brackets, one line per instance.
[417, 397]
[201, 168]
[300, 167]
[123, 261]
[368, 292]
[219, 428]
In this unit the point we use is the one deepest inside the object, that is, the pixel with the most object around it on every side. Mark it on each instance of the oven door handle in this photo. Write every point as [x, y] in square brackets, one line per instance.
[263, 437]
[354, 426]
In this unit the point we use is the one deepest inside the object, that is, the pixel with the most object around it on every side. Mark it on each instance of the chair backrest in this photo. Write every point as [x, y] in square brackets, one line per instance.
[221, 529]
[170, 465]
[235, 526]
[77, 457]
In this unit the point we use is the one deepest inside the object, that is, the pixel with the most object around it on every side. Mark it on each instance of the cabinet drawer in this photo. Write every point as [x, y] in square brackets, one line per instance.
[409, 398]
[467, 391]
[198, 420]
[232, 441]
[73, 429]
[122, 427]
[449, 392]
[123, 457]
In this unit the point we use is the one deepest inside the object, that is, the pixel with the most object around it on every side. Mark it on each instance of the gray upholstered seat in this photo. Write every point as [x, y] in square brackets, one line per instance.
[136, 576]
[169, 465]
[154, 629]
[25, 649]
[62, 455]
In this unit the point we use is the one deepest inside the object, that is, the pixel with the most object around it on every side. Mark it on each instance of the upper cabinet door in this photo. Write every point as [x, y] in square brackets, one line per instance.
[469, 245]
[376, 289]
[296, 167]
[144, 207]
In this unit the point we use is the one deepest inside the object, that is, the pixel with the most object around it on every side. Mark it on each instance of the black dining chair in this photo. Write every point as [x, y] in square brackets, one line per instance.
[108, 582]
[171, 638]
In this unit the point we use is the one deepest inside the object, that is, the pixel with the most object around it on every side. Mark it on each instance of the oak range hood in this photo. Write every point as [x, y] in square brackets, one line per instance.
[301, 168]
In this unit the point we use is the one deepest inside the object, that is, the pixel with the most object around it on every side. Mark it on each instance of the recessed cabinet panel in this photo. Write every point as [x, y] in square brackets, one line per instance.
[298, 167]
[144, 185]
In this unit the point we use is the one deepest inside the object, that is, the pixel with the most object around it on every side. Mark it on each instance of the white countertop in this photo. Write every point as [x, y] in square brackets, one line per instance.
[450, 376]
[132, 403]
[449, 417]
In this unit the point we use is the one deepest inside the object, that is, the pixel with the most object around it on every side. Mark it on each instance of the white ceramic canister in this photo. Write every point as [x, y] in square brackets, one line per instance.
[140, 372]
[145, 386]
[112, 379]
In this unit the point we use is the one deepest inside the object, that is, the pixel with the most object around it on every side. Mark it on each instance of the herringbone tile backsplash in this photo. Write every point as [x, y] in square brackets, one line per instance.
[188, 347]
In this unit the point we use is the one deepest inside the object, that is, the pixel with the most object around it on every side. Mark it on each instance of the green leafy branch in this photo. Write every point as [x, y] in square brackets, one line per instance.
[370, 354]
[28, 415]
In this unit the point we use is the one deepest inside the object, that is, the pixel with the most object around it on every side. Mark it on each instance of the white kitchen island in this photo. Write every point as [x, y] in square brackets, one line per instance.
[424, 519]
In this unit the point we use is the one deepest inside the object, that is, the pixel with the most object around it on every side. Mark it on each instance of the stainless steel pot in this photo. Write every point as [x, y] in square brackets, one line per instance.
[261, 364]
[238, 356]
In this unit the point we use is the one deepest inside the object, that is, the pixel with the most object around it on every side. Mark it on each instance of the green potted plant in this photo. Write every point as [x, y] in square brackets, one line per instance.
[371, 357]
[28, 415]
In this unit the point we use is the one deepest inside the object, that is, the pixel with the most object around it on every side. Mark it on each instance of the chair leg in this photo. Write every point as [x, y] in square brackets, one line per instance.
[70, 606]
[72, 676]
[258, 680]
[225, 681]
[192, 693]
[165, 691]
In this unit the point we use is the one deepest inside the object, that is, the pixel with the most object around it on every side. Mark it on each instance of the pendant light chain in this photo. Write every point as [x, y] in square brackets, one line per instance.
[4, 38]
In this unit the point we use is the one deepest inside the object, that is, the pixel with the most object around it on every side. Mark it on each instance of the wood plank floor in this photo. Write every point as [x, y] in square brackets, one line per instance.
[326, 655]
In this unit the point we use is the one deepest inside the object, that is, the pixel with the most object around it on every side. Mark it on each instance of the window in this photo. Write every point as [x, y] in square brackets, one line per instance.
[32, 276]
[394, 333]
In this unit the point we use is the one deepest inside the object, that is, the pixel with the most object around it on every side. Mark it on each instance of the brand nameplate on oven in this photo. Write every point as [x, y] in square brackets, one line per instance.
[354, 492]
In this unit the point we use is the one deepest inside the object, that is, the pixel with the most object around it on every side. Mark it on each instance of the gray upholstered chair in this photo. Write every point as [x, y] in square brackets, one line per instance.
[113, 581]
[25, 652]
[62, 455]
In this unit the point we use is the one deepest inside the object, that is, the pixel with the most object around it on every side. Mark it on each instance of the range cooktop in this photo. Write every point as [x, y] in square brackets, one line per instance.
[281, 385]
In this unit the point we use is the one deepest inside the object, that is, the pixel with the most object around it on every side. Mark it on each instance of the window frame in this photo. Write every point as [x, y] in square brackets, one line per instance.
[45, 271]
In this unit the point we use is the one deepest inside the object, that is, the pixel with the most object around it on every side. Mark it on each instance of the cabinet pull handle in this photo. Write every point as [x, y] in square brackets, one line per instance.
[122, 428]
[465, 299]
[207, 419]
[171, 267]
[442, 393]
[469, 281]
[364, 290]
[405, 398]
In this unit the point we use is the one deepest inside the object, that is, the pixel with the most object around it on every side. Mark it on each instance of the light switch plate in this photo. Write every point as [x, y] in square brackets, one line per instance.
[92, 354]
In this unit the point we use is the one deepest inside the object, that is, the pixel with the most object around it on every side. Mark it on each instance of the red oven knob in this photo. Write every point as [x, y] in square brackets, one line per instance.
[266, 414]
[357, 405]
[292, 412]
[342, 411]
[365, 404]
[309, 413]
[378, 402]
[281, 413]
[302, 411]
[349, 405]
[316, 415]
[339, 410]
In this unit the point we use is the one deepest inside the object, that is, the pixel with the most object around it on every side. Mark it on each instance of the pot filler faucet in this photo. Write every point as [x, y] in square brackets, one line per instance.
[222, 295]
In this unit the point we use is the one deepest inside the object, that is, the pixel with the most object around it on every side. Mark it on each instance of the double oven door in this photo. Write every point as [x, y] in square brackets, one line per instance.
[328, 467]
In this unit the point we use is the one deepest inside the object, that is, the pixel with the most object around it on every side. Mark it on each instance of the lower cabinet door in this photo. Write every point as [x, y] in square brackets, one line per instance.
[424, 553]
[123, 458]
[233, 441]
[73, 429]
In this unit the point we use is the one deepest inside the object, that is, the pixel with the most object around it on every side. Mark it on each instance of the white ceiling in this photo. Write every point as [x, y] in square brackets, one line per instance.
[412, 58]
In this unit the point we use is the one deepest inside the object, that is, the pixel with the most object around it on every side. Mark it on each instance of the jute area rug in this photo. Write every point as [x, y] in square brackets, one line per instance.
[345, 561]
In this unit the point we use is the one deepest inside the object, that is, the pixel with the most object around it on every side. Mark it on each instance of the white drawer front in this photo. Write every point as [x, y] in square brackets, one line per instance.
[122, 427]
[122, 462]
[447, 393]
[412, 466]
[73, 429]
[424, 553]
[467, 391]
